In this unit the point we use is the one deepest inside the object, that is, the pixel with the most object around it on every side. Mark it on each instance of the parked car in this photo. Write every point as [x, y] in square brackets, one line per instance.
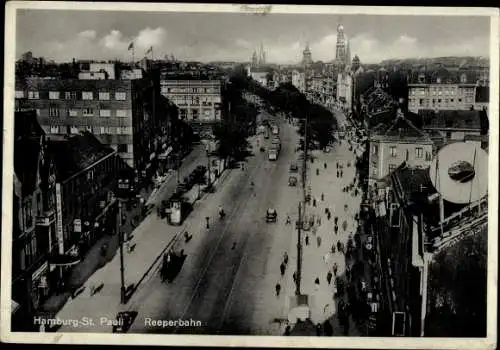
[294, 168]
[292, 181]
[271, 215]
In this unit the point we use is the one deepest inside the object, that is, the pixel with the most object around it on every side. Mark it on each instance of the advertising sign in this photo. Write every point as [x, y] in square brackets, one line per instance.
[60, 234]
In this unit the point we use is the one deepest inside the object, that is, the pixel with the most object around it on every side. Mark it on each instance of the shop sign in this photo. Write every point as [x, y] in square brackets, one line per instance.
[77, 226]
[60, 235]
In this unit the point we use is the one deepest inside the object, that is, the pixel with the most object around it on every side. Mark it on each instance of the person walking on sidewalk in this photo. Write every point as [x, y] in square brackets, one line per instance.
[329, 277]
[285, 258]
[318, 240]
[282, 269]
[288, 220]
[335, 267]
[307, 239]
[278, 289]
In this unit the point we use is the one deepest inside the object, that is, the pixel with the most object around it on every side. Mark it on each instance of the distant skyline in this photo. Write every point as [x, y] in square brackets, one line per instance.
[102, 35]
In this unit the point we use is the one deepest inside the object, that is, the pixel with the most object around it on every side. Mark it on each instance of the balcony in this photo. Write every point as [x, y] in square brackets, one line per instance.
[46, 218]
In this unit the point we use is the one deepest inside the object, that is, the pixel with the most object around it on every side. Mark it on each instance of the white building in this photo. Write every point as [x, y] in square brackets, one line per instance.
[299, 80]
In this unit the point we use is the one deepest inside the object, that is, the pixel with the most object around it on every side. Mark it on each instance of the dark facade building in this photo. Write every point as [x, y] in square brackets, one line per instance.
[86, 174]
[129, 115]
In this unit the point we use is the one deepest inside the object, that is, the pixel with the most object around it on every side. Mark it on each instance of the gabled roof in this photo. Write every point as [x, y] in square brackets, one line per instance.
[401, 129]
[75, 153]
[26, 163]
[459, 119]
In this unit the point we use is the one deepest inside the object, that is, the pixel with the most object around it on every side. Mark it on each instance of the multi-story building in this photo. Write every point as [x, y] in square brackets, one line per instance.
[86, 175]
[454, 126]
[123, 114]
[444, 90]
[342, 52]
[400, 142]
[197, 100]
[307, 56]
[299, 79]
[261, 75]
[30, 240]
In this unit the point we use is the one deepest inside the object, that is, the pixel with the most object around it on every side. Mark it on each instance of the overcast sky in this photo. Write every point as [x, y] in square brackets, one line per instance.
[63, 34]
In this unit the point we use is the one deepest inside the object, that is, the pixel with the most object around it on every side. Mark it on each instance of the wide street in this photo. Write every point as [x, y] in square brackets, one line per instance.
[228, 279]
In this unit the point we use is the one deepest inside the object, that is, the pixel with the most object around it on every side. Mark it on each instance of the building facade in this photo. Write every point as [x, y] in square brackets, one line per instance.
[445, 90]
[196, 100]
[398, 143]
[342, 50]
[299, 79]
[119, 112]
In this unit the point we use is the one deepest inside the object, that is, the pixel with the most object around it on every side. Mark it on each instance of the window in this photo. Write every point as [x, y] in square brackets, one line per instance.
[120, 96]
[19, 94]
[53, 95]
[118, 130]
[54, 129]
[70, 95]
[374, 168]
[87, 95]
[122, 148]
[53, 112]
[33, 95]
[72, 112]
[419, 152]
[105, 113]
[88, 112]
[392, 167]
[393, 151]
[104, 96]
[121, 113]
[374, 149]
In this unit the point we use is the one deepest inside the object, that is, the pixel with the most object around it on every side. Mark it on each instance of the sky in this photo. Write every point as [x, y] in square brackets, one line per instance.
[64, 34]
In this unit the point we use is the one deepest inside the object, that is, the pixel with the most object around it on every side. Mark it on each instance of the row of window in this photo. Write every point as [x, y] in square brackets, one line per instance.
[103, 130]
[190, 90]
[88, 112]
[392, 167]
[393, 151]
[444, 101]
[73, 95]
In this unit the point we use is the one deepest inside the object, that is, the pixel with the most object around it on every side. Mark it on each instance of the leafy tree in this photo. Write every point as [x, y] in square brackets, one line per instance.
[232, 141]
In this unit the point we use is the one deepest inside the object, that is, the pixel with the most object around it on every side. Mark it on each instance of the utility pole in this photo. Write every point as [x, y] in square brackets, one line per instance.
[121, 240]
[299, 252]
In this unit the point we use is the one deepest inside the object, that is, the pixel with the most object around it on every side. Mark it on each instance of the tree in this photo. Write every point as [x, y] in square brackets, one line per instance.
[232, 141]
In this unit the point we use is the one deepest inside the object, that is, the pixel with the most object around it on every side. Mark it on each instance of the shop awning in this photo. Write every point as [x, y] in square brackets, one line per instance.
[14, 306]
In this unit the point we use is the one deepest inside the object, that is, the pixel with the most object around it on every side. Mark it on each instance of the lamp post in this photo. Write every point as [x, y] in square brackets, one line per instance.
[123, 188]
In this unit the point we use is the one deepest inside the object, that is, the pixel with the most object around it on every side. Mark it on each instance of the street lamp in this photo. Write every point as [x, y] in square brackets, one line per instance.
[123, 188]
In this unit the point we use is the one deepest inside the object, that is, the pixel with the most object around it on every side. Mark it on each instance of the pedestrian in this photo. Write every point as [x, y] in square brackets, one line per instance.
[278, 289]
[294, 276]
[333, 249]
[325, 165]
[338, 173]
[328, 215]
[341, 173]
[322, 197]
[282, 269]
[207, 220]
[329, 277]
[318, 329]
[336, 228]
[316, 281]
[288, 330]
[335, 269]
[318, 239]
[314, 202]
[318, 221]
[339, 246]
[288, 220]
[307, 239]
[317, 171]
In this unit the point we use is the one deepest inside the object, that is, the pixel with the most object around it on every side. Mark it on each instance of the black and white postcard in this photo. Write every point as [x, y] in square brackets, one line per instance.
[250, 175]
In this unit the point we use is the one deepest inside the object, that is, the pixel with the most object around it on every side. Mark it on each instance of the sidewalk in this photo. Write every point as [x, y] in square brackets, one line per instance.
[93, 261]
[317, 261]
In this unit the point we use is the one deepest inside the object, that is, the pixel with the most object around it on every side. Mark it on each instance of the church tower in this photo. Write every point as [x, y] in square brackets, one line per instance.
[262, 55]
[307, 56]
[342, 48]
[255, 61]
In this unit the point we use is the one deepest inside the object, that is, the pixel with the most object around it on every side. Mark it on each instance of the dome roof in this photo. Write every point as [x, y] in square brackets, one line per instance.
[340, 28]
[356, 58]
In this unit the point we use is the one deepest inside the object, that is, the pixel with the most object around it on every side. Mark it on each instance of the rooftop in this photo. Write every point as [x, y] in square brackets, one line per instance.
[445, 76]
[456, 119]
[75, 153]
[401, 129]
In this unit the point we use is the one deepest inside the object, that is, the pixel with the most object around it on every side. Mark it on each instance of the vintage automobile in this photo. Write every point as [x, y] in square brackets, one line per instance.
[294, 168]
[292, 181]
[271, 215]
